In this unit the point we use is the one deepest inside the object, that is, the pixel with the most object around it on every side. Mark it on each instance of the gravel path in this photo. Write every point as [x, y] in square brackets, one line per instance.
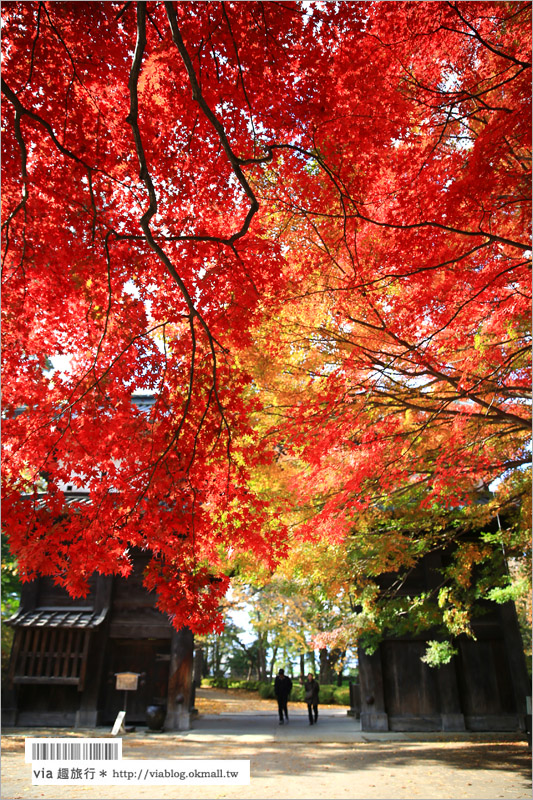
[289, 767]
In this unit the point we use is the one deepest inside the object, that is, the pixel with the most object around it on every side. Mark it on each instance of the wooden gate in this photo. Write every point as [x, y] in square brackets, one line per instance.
[148, 657]
[410, 687]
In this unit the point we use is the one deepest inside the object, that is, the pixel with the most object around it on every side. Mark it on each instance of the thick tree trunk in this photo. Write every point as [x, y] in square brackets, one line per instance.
[261, 661]
[325, 666]
[272, 662]
[217, 659]
[311, 660]
[206, 663]
[198, 669]
[198, 662]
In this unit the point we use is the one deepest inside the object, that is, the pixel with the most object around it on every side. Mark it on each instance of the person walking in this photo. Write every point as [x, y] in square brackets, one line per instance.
[282, 690]
[311, 690]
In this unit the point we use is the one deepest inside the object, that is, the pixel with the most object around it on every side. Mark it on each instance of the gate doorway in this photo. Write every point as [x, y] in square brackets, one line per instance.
[151, 659]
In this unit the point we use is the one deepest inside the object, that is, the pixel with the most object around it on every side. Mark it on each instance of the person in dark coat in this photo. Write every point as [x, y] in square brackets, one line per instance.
[282, 690]
[311, 690]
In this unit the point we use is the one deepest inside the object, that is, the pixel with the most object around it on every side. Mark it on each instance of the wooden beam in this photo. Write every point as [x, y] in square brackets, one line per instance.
[180, 680]
[42, 679]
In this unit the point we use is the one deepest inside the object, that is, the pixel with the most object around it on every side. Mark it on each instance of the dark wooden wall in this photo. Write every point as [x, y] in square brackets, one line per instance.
[483, 688]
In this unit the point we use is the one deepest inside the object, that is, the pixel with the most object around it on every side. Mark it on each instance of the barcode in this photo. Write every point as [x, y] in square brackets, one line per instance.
[61, 750]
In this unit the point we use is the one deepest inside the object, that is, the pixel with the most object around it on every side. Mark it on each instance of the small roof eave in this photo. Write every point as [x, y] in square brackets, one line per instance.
[58, 617]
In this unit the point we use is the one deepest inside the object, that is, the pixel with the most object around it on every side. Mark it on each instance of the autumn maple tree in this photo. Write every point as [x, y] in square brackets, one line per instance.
[303, 229]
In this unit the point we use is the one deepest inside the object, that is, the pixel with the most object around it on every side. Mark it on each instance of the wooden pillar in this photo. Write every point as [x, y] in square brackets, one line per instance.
[374, 716]
[89, 711]
[514, 650]
[180, 681]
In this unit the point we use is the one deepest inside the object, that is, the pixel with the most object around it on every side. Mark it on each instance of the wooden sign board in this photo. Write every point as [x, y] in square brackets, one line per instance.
[127, 681]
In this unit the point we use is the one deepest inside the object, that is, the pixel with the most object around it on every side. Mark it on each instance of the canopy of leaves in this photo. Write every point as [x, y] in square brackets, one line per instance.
[303, 229]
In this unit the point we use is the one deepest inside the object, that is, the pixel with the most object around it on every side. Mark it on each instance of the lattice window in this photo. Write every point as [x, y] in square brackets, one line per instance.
[50, 655]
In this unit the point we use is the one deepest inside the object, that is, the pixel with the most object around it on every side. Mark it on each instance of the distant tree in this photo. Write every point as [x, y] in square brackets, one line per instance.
[223, 651]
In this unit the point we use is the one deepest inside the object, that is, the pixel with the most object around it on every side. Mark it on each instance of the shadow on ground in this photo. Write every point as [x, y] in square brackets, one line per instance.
[360, 756]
